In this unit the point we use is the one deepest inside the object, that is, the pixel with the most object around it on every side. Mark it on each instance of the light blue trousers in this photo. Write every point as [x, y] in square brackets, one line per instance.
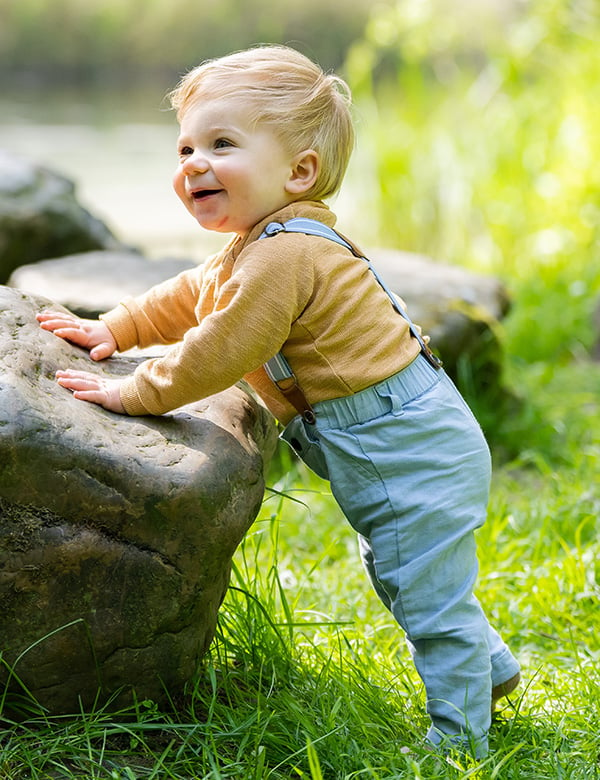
[410, 468]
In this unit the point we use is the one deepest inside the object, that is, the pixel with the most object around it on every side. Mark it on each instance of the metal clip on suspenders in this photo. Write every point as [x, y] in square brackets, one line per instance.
[278, 368]
[280, 372]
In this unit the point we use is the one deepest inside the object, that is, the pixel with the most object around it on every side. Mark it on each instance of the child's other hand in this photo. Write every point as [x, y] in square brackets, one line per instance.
[93, 388]
[92, 335]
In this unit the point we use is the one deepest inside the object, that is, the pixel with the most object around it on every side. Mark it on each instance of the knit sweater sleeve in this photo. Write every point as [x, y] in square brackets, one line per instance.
[249, 319]
[160, 316]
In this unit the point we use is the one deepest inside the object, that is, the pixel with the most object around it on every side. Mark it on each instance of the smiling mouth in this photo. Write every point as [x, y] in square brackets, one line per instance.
[201, 194]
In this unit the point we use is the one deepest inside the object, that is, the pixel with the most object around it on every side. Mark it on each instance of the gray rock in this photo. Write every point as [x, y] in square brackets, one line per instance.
[116, 533]
[40, 217]
[91, 283]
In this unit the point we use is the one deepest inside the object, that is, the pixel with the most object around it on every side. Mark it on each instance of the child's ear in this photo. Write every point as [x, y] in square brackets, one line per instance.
[304, 172]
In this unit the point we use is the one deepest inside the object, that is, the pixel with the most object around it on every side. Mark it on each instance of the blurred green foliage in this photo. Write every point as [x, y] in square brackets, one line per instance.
[478, 120]
[91, 40]
[482, 119]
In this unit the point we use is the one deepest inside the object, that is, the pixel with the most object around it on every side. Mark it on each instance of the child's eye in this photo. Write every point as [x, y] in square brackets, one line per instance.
[222, 143]
[185, 151]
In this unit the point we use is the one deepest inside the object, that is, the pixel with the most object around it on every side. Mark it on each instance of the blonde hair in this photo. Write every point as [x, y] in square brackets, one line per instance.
[306, 107]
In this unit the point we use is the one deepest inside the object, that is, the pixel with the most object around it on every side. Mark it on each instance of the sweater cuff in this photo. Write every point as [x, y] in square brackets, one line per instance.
[131, 400]
[122, 327]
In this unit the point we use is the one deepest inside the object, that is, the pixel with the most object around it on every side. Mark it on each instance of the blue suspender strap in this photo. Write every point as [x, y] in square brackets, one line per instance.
[280, 373]
[277, 368]
[425, 350]
[309, 226]
[314, 228]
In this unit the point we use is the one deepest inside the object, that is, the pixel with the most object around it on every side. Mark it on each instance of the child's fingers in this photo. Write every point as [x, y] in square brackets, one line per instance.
[98, 397]
[48, 313]
[66, 332]
[89, 334]
[84, 389]
[79, 380]
[102, 351]
[50, 319]
[92, 388]
[68, 329]
[64, 328]
[45, 313]
[54, 324]
[75, 379]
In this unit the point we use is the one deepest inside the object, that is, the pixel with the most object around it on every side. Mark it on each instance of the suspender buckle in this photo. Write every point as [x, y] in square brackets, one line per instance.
[293, 393]
[309, 416]
[431, 358]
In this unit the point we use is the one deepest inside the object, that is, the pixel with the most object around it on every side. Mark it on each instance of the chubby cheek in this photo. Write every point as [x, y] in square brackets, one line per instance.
[179, 187]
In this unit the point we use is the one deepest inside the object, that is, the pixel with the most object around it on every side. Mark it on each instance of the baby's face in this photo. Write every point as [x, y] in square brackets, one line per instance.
[231, 173]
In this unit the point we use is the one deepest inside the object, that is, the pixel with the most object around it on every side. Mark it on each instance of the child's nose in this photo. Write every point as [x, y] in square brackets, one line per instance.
[196, 163]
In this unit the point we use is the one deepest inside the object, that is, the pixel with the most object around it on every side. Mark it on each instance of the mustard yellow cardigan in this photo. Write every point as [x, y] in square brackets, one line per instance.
[302, 294]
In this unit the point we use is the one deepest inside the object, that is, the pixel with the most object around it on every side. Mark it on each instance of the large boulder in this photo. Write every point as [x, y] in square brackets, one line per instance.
[40, 217]
[116, 533]
[90, 283]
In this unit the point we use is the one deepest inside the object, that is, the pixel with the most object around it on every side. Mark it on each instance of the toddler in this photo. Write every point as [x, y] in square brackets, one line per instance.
[296, 310]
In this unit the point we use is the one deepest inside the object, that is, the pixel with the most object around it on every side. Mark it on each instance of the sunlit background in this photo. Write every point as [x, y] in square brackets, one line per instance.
[83, 84]
[478, 123]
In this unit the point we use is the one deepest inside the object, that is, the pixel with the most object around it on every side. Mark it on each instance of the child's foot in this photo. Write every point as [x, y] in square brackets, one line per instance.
[503, 689]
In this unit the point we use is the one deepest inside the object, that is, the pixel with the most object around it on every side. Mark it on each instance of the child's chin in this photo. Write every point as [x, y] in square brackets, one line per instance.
[216, 227]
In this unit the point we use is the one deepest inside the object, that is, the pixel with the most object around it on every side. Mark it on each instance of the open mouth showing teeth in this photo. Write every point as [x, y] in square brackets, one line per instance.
[200, 194]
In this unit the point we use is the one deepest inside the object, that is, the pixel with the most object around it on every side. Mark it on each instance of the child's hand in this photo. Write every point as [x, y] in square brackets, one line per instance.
[93, 335]
[93, 388]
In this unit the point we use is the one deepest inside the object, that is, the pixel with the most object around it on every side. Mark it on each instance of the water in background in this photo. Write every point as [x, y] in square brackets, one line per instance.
[121, 159]
[120, 150]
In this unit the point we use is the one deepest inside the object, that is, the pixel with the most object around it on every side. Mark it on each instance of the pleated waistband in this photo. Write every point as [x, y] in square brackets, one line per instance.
[402, 387]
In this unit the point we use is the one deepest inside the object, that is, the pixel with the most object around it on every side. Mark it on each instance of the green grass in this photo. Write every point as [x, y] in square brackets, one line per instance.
[308, 675]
